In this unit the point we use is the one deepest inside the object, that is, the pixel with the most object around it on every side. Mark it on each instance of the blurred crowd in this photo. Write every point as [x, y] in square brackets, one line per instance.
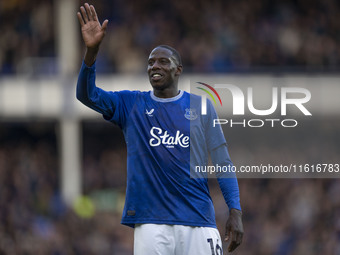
[27, 34]
[212, 36]
[33, 217]
[281, 216]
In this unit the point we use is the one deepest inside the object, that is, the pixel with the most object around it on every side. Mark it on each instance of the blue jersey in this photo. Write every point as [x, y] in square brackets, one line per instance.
[164, 137]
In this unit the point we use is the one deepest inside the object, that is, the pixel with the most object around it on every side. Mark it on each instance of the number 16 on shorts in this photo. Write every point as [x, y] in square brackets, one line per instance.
[215, 249]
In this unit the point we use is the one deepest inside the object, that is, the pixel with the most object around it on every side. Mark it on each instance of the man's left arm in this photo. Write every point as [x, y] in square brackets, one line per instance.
[230, 190]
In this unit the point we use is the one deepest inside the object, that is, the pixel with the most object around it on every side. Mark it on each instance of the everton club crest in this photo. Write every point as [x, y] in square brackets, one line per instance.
[190, 114]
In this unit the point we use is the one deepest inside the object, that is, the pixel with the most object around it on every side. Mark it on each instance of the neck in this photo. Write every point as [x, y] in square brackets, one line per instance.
[166, 93]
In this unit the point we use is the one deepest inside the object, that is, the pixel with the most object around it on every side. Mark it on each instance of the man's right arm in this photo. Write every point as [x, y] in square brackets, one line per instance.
[93, 34]
[97, 99]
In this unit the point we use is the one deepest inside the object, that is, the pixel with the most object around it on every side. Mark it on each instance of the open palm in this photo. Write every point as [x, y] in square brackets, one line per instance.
[92, 32]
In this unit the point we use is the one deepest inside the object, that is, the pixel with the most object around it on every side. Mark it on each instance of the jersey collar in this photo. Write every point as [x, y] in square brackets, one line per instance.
[166, 100]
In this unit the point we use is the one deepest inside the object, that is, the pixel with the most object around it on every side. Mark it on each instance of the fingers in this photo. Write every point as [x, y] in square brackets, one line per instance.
[236, 240]
[232, 246]
[88, 13]
[227, 233]
[104, 26]
[83, 14]
[94, 13]
[80, 18]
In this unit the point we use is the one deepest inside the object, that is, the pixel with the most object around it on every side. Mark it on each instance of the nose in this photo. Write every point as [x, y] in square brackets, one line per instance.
[155, 65]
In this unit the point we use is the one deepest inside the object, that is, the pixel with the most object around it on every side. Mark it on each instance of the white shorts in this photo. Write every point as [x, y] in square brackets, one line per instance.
[158, 239]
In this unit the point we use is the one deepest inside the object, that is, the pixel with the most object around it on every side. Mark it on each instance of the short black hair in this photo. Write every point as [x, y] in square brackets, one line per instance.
[174, 52]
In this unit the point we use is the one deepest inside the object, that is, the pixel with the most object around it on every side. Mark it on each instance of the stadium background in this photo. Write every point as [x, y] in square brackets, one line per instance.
[53, 149]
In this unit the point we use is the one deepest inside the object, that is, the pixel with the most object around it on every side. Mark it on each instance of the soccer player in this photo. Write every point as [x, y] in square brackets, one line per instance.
[172, 213]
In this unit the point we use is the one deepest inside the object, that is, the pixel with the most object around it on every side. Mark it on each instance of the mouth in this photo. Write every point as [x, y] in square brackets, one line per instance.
[156, 76]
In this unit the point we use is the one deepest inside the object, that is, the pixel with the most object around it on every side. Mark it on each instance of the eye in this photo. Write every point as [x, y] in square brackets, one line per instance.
[151, 62]
[164, 61]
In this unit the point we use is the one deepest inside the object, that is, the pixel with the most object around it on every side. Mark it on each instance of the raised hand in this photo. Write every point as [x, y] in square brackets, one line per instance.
[92, 31]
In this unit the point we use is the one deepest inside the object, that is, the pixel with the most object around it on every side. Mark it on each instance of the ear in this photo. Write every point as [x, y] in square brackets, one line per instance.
[179, 70]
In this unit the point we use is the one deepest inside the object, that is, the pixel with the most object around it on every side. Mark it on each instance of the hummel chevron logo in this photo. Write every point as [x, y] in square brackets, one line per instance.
[149, 113]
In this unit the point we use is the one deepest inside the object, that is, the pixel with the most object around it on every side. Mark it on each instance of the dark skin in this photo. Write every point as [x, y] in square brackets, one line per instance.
[92, 31]
[164, 71]
[234, 229]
